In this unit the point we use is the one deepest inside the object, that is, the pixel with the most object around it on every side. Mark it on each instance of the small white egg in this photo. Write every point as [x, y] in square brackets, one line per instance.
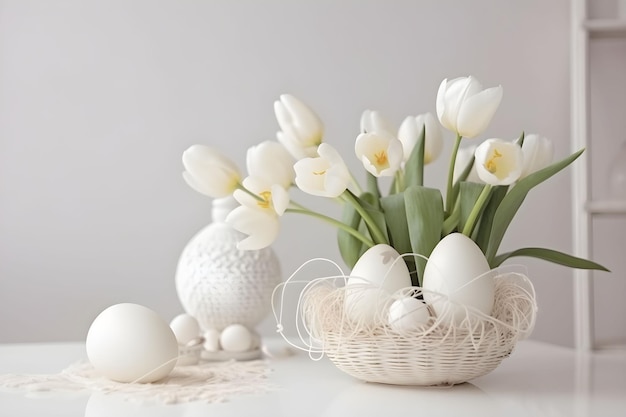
[236, 338]
[458, 270]
[256, 340]
[376, 275]
[407, 314]
[131, 343]
[211, 340]
[185, 328]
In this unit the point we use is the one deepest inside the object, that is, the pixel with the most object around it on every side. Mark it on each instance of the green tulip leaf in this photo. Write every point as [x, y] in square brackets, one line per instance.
[451, 222]
[395, 217]
[414, 167]
[468, 195]
[515, 197]
[551, 256]
[424, 215]
[350, 247]
[372, 188]
[486, 219]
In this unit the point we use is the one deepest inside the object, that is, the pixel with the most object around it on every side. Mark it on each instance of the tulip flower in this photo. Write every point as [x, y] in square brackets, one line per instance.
[260, 226]
[498, 162]
[262, 195]
[324, 176]
[380, 153]
[209, 172]
[373, 121]
[464, 107]
[272, 162]
[538, 152]
[410, 131]
[302, 129]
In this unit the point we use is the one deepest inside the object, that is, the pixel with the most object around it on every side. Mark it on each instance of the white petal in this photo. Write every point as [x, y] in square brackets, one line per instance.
[453, 96]
[498, 162]
[538, 153]
[262, 228]
[477, 111]
[271, 161]
[408, 135]
[280, 199]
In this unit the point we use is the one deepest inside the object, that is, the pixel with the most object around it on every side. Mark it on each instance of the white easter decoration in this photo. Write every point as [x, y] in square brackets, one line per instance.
[378, 273]
[185, 328]
[236, 338]
[407, 314]
[131, 343]
[457, 277]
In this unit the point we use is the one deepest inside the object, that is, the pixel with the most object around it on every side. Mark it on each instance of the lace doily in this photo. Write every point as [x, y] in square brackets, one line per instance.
[208, 382]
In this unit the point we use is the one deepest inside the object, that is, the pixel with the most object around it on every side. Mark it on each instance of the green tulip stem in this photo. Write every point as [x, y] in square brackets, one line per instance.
[476, 210]
[449, 194]
[399, 181]
[377, 234]
[368, 242]
[244, 189]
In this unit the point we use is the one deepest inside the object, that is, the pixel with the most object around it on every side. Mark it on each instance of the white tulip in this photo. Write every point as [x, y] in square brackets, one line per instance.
[380, 153]
[324, 176]
[498, 162]
[538, 153]
[410, 131]
[463, 158]
[272, 198]
[302, 129]
[464, 107]
[271, 161]
[260, 226]
[209, 172]
[373, 121]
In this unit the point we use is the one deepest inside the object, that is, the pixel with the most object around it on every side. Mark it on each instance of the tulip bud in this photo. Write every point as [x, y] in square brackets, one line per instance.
[302, 129]
[409, 133]
[372, 121]
[271, 161]
[464, 107]
[209, 172]
[538, 152]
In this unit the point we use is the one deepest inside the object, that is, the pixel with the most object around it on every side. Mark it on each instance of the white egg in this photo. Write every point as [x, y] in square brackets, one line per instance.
[212, 340]
[185, 328]
[377, 274]
[236, 338]
[458, 270]
[131, 343]
[406, 314]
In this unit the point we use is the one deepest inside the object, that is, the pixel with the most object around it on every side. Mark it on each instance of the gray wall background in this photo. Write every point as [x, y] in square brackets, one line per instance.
[98, 100]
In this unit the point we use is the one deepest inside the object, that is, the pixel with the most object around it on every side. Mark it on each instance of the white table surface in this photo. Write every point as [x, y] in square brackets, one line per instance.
[537, 380]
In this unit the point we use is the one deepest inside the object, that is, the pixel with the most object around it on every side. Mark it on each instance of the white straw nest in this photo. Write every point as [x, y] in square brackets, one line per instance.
[440, 352]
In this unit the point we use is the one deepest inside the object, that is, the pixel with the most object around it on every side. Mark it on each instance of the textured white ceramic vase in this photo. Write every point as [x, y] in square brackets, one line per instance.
[220, 285]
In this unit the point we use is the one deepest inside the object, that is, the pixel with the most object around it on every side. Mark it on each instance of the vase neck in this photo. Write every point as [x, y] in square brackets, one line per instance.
[221, 208]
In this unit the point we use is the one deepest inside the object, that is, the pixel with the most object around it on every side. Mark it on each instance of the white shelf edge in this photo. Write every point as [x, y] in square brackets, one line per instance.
[605, 25]
[606, 206]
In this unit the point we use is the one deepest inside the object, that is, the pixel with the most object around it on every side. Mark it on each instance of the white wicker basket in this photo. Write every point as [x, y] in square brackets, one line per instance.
[440, 353]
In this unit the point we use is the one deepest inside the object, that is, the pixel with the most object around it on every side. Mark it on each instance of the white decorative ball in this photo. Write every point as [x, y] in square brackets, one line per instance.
[185, 328]
[212, 340]
[406, 314]
[131, 343]
[236, 338]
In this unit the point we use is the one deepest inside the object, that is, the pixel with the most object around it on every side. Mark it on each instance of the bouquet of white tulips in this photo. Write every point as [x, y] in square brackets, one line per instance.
[485, 187]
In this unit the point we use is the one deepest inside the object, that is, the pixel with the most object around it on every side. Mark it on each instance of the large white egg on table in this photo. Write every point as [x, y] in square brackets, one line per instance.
[131, 343]
[458, 270]
[377, 274]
